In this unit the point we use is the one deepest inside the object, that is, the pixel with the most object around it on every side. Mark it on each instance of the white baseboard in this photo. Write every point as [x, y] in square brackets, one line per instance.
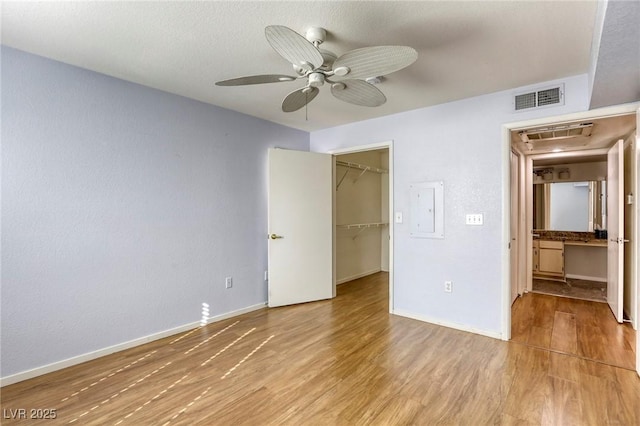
[461, 327]
[586, 278]
[59, 365]
[356, 276]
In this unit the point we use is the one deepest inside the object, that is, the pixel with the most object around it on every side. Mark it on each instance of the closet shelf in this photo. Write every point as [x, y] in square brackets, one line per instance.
[361, 227]
[360, 166]
[349, 165]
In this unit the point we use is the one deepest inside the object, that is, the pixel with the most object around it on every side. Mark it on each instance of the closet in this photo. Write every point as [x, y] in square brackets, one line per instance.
[362, 214]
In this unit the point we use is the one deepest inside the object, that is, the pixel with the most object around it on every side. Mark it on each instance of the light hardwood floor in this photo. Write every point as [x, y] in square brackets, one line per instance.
[344, 361]
[582, 328]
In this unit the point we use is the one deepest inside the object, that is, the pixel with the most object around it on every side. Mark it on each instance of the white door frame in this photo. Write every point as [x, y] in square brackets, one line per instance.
[615, 227]
[371, 147]
[506, 196]
[515, 197]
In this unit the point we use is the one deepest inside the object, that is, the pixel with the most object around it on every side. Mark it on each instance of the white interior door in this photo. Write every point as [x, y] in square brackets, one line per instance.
[615, 229]
[513, 244]
[300, 227]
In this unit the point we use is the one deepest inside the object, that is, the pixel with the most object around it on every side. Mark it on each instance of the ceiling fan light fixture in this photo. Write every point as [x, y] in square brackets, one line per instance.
[338, 86]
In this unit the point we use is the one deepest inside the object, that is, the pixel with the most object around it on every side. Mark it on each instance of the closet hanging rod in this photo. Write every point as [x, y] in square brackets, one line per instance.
[360, 166]
[362, 225]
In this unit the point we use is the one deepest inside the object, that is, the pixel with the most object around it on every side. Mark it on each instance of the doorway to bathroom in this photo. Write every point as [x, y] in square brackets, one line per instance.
[575, 270]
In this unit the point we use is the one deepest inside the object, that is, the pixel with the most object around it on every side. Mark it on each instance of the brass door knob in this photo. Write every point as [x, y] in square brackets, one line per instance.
[275, 237]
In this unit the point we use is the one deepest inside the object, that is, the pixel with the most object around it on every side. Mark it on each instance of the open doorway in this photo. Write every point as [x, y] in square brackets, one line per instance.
[304, 225]
[363, 203]
[564, 265]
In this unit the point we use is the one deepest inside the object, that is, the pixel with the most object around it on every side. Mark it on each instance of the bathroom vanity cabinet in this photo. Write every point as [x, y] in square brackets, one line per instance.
[548, 258]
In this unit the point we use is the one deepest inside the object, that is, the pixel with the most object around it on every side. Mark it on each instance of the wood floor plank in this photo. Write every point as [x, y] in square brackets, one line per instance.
[564, 337]
[540, 336]
[347, 361]
[530, 388]
[583, 328]
[563, 405]
[564, 367]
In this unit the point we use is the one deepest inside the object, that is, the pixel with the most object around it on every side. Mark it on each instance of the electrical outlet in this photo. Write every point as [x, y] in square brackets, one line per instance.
[266, 275]
[228, 282]
[448, 286]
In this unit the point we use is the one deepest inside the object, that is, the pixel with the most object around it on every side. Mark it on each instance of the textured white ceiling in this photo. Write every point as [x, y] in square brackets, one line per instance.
[465, 48]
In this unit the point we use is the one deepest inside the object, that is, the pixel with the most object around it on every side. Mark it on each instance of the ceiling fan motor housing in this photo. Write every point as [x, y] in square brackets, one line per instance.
[328, 60]
[316, 79]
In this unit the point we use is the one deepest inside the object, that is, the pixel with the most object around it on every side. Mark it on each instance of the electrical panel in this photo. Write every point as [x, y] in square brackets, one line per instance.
[427, 210]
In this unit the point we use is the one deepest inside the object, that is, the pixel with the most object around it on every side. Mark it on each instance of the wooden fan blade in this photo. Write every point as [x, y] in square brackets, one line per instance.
[373, 61]
[255, 79]
[358, 92]
[293, 47]
[299, 98]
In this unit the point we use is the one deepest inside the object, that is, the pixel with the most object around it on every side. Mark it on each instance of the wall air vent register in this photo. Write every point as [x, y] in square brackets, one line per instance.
[550, 96]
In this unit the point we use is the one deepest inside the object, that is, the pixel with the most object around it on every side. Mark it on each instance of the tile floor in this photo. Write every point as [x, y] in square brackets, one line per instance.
[573, 288]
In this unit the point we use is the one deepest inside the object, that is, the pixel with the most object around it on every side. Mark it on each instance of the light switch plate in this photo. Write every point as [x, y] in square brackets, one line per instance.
[474, 219]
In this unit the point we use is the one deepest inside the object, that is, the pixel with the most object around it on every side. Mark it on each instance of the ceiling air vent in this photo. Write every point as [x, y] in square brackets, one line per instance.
[550, 96]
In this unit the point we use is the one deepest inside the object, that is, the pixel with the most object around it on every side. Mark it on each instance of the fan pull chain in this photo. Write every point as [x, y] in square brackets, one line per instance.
[306, 107]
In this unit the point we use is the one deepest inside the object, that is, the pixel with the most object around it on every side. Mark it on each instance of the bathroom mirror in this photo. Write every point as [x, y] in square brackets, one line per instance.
[570, 206]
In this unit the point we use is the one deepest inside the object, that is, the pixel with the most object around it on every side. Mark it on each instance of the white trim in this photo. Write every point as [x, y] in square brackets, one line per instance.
[506, 148]
[456, 326]
[360, 148]
[391, 227]
[371, 147]
[584, 115]
[506, 236]
[634, 245]
[586, 278]
[59, 365]
[356, 276]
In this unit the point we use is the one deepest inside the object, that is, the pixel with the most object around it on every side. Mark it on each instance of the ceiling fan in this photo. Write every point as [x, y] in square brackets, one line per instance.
[347, 74]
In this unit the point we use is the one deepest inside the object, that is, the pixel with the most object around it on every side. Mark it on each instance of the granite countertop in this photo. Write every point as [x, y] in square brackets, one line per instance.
[566, 236]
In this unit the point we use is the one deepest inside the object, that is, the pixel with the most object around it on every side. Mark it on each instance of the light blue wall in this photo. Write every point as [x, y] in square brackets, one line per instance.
[123, 209]
[459, 143]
